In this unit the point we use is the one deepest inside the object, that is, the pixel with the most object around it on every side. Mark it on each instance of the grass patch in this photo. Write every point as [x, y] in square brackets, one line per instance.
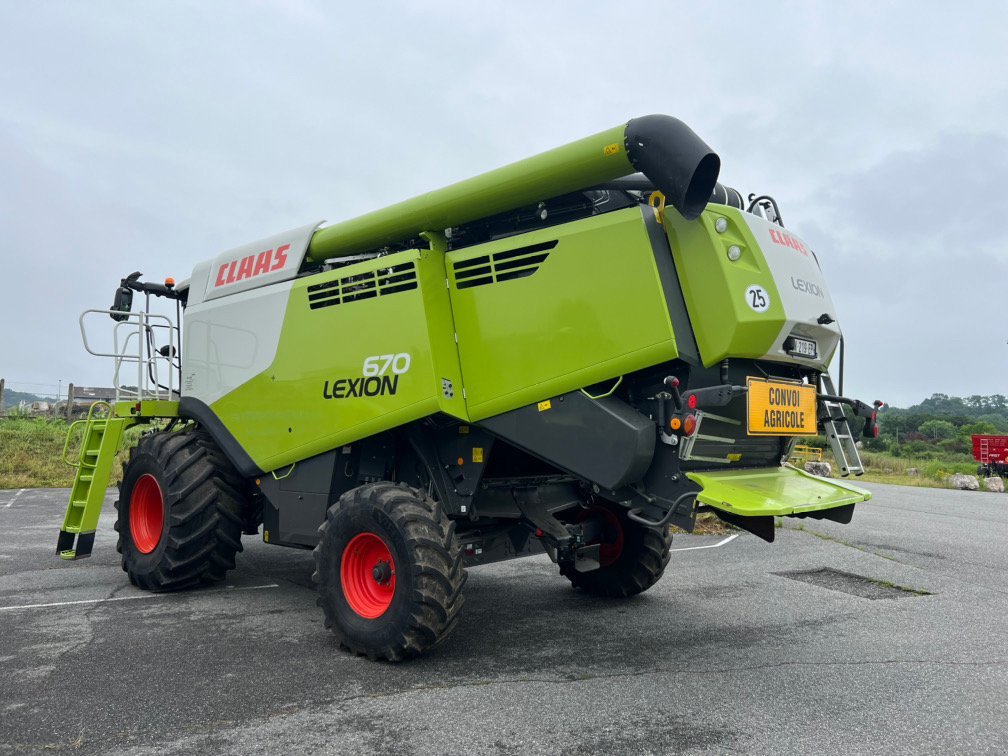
[931, 473]
[708, 523]
[31, 449]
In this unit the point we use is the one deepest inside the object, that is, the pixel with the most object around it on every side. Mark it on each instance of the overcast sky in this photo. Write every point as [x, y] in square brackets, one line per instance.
[149, 136]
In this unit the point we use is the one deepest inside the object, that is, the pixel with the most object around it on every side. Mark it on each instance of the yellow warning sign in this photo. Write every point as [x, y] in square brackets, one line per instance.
[610, 149]
[781, 409]
[477, 454]
[543, 406]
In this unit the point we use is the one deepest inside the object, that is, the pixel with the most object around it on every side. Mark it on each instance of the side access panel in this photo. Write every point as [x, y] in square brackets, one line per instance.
[363, 349]
[603, 440]
[547, 312]
[773, 291]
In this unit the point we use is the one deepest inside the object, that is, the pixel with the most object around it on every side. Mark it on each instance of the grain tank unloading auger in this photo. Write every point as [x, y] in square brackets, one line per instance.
[546, 357]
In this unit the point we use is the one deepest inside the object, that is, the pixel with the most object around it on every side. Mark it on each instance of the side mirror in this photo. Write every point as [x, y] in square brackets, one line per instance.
[123, 303]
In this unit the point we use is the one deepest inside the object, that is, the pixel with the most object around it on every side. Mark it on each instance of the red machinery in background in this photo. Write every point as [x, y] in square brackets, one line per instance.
[992, 454]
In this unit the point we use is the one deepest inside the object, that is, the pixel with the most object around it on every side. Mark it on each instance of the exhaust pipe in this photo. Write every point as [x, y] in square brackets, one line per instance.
[673, 158]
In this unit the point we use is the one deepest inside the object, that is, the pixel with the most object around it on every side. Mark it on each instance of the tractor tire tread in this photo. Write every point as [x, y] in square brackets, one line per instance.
[436, 557]
[204, 512]
[635, 572]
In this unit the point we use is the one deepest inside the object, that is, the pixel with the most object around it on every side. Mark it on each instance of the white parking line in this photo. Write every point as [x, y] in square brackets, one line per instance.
[12, 499]
[710, 546]
[132, 598]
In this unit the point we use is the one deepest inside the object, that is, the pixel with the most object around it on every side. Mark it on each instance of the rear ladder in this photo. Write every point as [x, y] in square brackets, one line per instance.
[838, 433]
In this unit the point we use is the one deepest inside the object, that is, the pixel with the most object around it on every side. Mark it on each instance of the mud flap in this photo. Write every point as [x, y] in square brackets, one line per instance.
[752, 498]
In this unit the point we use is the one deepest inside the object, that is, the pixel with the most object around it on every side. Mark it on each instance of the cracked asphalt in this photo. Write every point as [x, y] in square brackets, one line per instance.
[724, 655]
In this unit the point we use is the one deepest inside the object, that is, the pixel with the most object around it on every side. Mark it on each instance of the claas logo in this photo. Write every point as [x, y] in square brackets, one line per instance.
[786, 240]
[252, 266]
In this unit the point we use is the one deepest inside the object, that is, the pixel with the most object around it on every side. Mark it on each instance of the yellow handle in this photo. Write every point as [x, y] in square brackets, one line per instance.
[657, 201]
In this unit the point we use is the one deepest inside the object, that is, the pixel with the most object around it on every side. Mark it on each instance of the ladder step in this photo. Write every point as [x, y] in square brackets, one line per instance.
[85, 478]
[78, 503]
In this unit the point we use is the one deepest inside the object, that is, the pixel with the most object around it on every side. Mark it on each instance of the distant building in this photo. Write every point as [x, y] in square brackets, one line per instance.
[83, 397]
[90, 394]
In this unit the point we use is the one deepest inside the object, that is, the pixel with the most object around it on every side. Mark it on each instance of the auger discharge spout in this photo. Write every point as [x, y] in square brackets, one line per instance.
[661, 147]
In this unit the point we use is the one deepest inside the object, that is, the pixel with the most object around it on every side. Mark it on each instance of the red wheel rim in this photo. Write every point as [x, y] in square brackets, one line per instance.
[367, 573]
[146, 514]
[611, 542]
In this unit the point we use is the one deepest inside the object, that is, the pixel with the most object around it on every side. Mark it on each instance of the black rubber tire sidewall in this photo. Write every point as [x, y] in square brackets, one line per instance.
[142, 464]
[420, 537]
[203, 507]
[634, 571]
[348, 522]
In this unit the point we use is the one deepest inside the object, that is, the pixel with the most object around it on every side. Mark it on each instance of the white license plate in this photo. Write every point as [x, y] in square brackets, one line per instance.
[802, 347]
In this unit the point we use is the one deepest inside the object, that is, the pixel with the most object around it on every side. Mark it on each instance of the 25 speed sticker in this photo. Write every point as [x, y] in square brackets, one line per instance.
[757, 298]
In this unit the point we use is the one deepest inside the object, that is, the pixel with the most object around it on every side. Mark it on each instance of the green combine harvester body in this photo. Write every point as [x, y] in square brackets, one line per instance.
[565, 355]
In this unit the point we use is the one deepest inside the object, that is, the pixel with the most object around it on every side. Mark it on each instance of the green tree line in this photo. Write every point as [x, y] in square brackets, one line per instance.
[940, 426]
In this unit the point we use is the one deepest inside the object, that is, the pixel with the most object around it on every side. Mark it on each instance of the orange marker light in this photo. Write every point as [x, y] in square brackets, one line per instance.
[675, 423]
[689, 425]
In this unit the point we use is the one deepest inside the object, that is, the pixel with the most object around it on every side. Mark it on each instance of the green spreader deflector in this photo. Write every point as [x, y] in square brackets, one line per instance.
[777, 491]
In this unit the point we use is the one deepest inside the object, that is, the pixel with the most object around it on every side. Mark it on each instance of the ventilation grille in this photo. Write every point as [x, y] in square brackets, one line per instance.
[374, 283]
[501, 266]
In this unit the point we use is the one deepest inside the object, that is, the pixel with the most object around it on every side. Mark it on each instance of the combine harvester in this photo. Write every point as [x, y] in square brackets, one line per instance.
[565, 355]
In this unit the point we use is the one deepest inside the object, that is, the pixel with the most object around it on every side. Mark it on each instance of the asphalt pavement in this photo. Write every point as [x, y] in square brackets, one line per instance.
[887, 635]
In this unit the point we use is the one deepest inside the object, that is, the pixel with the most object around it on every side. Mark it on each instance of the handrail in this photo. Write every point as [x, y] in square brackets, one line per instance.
[66, 444]
[143, 326]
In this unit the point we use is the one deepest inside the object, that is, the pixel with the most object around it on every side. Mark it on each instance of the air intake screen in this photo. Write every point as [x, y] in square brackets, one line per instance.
[374, 283]
[501, 266]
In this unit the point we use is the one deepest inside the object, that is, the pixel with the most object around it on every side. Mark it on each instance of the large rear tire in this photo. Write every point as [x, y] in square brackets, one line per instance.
[389, 571]
[180, 512]
[632, 556]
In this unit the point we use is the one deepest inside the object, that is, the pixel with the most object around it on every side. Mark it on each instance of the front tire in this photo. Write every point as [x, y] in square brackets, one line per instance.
[632, 556]
[180, 512]
[389, 571]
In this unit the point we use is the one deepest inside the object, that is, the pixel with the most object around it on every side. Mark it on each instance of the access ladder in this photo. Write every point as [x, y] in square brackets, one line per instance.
[99, 444]
[838, 433]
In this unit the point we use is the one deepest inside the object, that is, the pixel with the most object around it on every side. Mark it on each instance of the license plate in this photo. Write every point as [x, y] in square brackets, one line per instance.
[776, 408]
[801, 347]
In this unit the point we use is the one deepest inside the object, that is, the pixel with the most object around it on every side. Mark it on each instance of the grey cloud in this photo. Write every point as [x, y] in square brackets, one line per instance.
[153, 136]
[916, 265]
[943, 199]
